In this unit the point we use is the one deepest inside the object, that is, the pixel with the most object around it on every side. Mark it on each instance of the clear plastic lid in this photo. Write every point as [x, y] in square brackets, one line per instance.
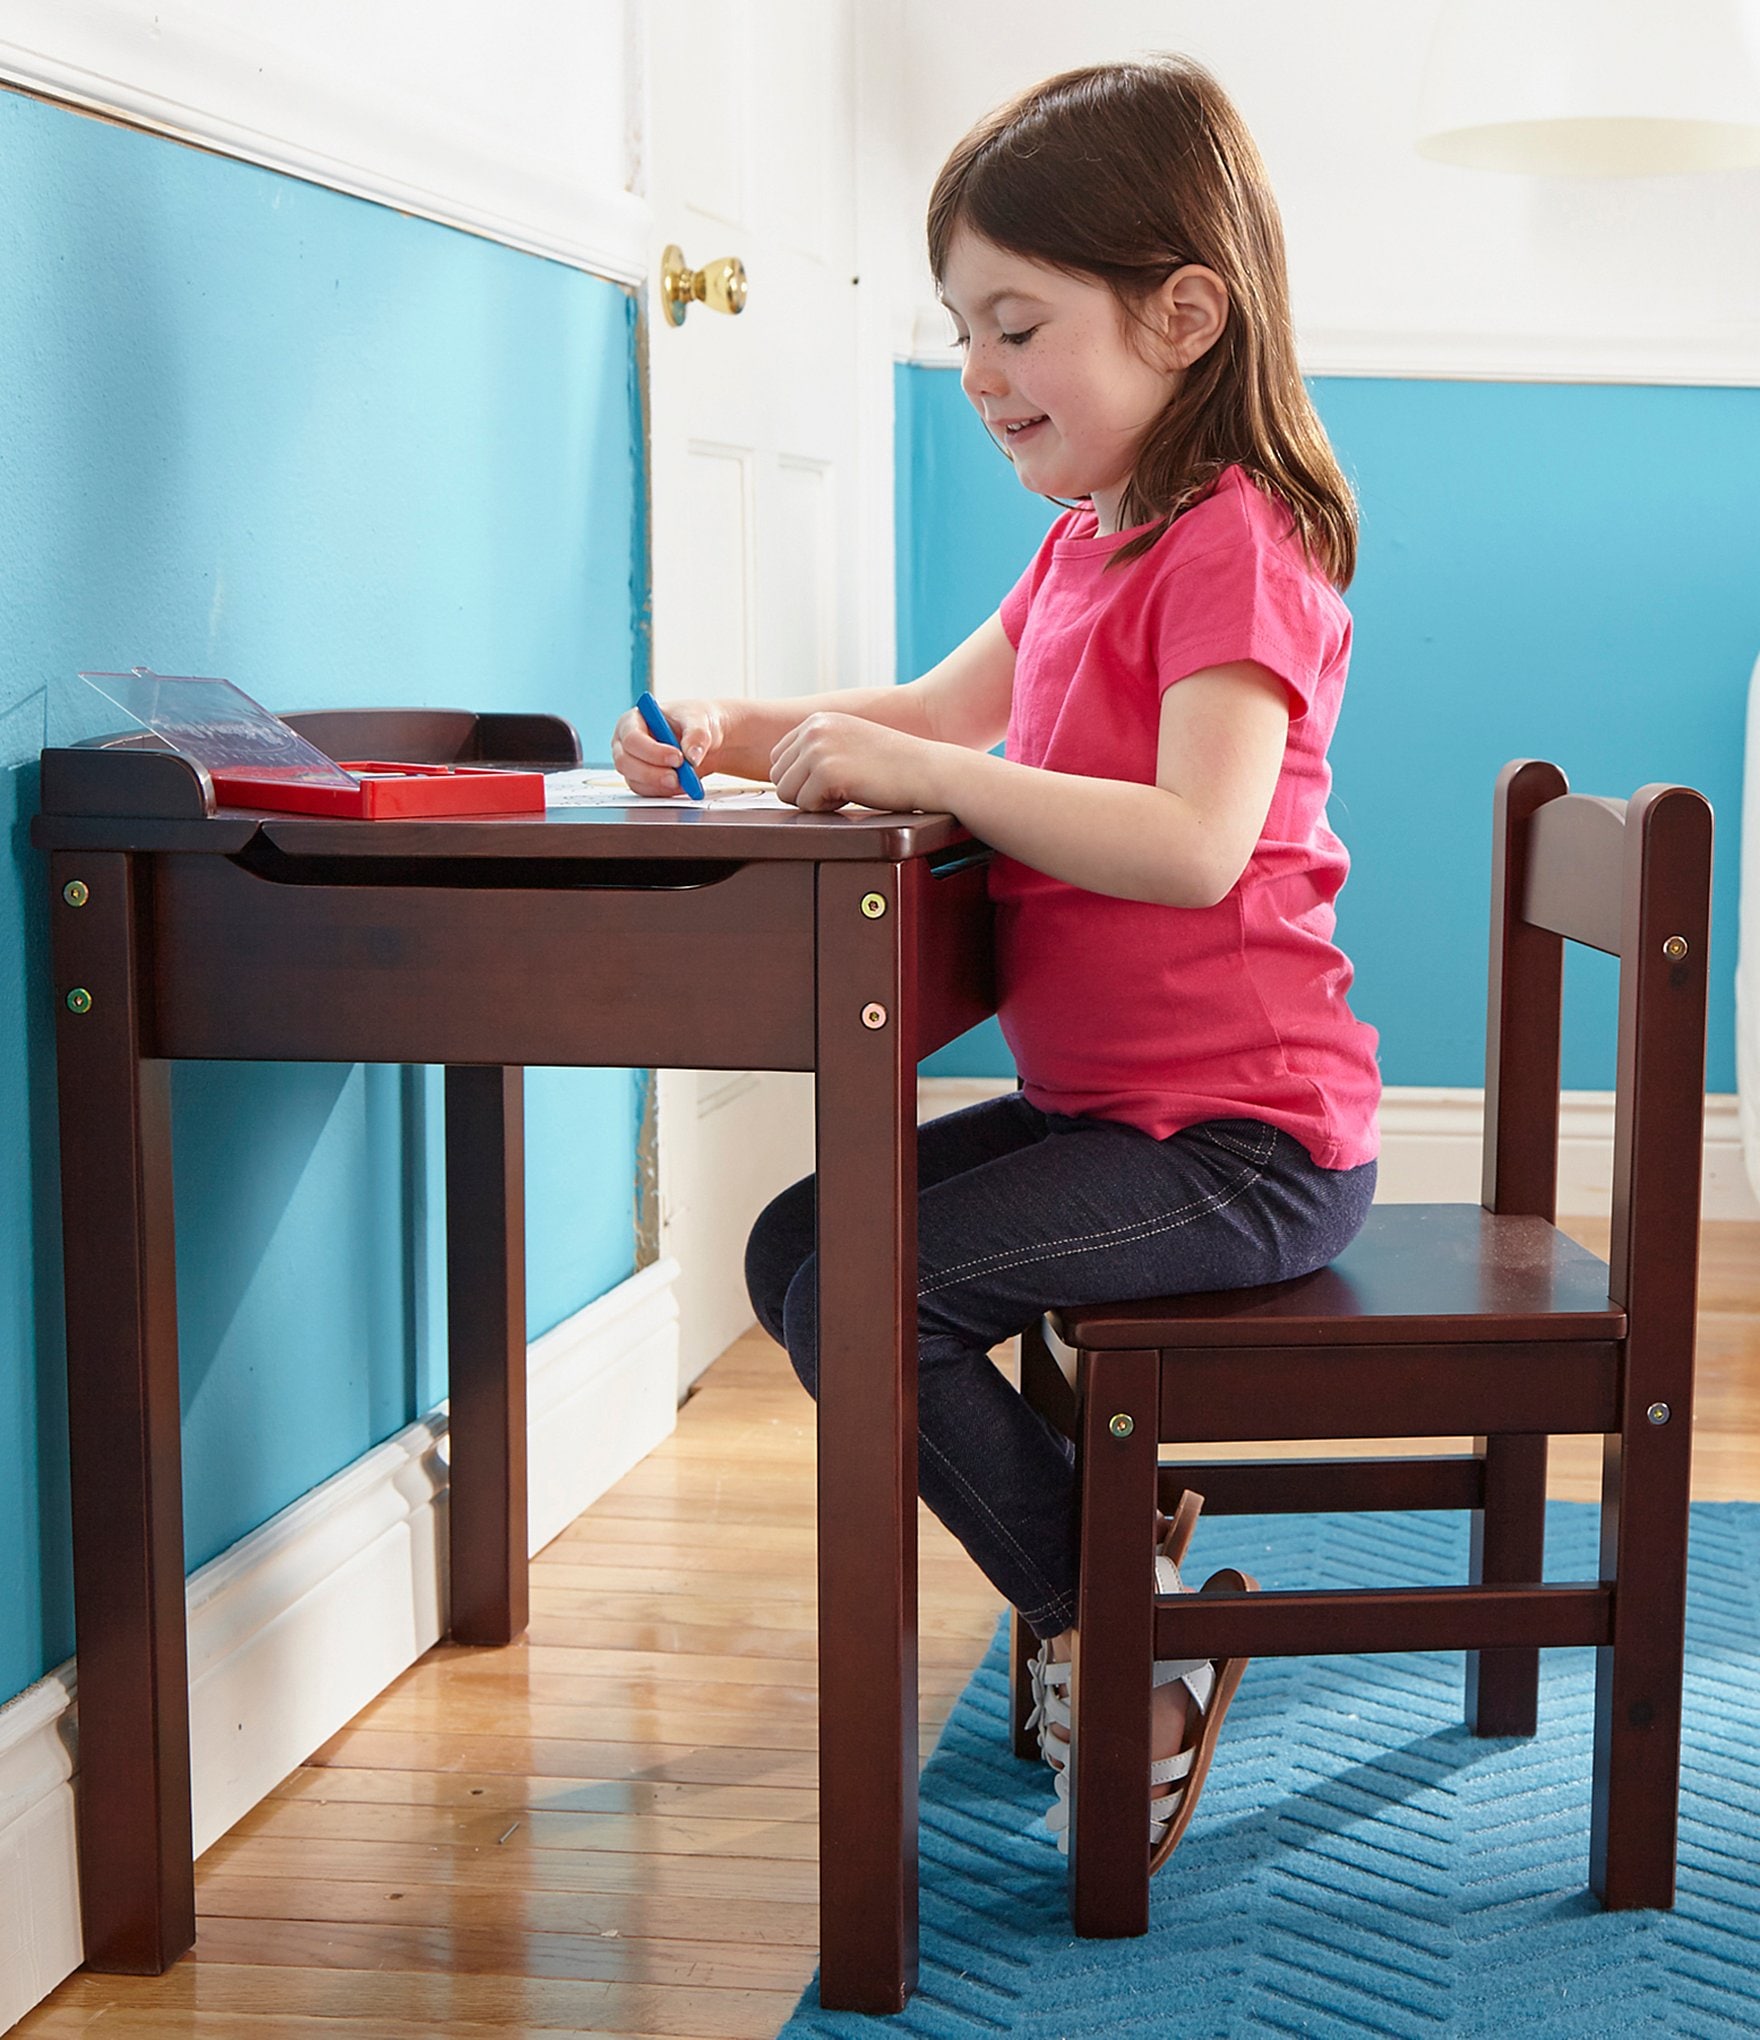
[210, 722]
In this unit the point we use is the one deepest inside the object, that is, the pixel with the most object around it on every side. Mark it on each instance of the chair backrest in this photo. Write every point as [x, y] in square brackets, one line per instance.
[1632, 878]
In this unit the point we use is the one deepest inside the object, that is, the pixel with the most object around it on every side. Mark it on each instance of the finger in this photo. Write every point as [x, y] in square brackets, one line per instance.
[639, 744]
[643, 778]
[694, 737]
[644, 775]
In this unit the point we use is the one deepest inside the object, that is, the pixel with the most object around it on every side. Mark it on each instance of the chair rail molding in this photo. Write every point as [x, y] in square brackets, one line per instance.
[296, 1627]
[431, 117]
[1726, 359]
[1432, 1138]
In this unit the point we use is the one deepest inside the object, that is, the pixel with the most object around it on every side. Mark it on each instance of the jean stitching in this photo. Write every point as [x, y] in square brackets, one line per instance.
[1002, 1530]
[1261, 1153]
[1088, 1243]
[1061, 1611]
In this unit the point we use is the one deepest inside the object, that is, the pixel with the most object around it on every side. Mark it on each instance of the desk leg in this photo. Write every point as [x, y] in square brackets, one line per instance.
[486, 1345]
[867, 1444]
[137, 1875]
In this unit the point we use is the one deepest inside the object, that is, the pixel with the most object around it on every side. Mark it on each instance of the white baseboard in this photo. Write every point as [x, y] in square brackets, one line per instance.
[602, 1391]
[295, 1628]
[39, 1880]
[1431, 1144]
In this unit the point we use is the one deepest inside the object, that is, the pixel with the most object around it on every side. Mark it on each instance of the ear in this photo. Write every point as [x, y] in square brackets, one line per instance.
[1191, 310]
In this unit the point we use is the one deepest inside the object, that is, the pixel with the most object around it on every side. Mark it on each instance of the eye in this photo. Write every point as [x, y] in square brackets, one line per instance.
[1019, 339]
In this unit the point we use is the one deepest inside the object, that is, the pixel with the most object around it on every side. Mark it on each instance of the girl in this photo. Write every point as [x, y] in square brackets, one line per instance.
[1197, 1102]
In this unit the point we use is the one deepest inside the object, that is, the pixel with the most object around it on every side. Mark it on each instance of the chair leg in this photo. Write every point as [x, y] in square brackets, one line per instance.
[1636, 1792]
[1022, 1644]
[1036, 1369]
[1509, 1548]
[1118, 1397]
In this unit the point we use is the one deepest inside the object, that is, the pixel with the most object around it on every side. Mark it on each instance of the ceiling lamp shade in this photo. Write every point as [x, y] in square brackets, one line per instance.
[1602, 88]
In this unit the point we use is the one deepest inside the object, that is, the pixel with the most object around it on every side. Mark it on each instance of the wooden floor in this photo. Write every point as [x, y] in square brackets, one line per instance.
[609, 1827]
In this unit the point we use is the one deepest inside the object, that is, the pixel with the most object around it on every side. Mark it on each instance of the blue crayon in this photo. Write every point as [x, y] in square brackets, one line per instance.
[663, 732]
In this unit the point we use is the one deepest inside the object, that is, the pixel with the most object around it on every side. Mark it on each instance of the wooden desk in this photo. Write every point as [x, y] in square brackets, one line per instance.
[849, 944]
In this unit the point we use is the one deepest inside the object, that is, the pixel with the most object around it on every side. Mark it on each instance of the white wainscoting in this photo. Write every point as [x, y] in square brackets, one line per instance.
[1431, 1145]
[295, 1628]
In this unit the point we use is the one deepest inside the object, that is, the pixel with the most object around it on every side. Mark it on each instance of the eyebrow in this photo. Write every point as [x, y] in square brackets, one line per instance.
[996, 297]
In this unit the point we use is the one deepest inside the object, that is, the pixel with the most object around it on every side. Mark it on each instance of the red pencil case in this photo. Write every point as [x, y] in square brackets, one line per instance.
[384, 790]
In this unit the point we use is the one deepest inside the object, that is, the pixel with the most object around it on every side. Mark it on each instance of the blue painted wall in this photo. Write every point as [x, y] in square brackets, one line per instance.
[1559, 571]
[254, 428]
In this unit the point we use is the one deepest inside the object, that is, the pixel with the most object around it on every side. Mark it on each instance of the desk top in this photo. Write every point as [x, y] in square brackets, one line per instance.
[144, 800]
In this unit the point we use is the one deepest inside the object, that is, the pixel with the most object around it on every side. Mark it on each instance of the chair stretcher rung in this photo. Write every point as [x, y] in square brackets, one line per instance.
[1404, 1618]
[1281, 1487]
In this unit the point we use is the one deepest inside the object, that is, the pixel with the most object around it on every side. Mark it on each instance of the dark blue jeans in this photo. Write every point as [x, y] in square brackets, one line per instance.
[1019, 1211]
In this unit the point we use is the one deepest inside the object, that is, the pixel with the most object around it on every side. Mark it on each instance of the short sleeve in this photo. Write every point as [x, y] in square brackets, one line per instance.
[1252, 596]
[1015, 605]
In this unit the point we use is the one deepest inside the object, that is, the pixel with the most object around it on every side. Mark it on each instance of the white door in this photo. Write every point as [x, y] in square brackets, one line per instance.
[757, 424]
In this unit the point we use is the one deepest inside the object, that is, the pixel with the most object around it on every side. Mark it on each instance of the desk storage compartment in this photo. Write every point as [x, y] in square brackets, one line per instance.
[710, 976]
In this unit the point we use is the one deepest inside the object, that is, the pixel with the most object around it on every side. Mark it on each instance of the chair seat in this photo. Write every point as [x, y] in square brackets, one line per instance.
[1420, 1274]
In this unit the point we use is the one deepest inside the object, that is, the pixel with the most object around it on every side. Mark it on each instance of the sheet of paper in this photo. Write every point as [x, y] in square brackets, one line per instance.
[598, 786]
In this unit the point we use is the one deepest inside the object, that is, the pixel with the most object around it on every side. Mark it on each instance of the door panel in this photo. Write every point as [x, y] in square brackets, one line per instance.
[754, 450]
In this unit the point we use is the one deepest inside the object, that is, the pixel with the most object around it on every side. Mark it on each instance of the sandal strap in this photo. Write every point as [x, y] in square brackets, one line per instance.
[1201, 1684]
[1169, 1770]
[1051, 1712]
[1051, 1701]
[1169, 1669]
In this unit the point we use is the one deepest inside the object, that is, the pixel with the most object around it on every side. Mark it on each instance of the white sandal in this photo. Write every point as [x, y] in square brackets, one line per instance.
[1212, 1684]
[1050, 1681]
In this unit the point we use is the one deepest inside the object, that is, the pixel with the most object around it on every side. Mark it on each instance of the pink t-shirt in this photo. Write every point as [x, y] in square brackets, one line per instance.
[1164, 1016]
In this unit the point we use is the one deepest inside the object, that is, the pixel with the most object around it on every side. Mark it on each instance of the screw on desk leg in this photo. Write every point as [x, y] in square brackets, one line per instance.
[137, 1878]
[486, 1321]
[867, 1446]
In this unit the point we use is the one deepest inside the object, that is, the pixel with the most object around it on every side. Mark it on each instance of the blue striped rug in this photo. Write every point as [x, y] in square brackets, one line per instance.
[1359, 1863]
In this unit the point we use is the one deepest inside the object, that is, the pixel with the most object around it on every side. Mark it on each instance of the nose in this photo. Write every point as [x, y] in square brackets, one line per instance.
[980, 374]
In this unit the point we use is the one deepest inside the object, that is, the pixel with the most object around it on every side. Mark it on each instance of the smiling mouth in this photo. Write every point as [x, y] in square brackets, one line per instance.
[1024, 425]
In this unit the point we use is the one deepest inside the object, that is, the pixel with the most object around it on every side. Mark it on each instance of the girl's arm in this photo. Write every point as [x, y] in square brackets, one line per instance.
[962, 702]
[1182, 842]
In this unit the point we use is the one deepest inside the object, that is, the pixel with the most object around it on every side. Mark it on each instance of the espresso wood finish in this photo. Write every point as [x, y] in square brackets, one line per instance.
[1507, 1542]
[1658, 1133]
[137, 1890]
[580, 937]
[1044, 1385]
[1416, 1274]
[1113, 1650]
[1407, 1618]
[1481, 1320]
[1387, 1391]
[1257, 1487]
[867, 1250]
[486, 1352]
[439, 736]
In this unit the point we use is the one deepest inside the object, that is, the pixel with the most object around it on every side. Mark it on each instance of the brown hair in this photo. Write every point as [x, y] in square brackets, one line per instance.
[1125, 173]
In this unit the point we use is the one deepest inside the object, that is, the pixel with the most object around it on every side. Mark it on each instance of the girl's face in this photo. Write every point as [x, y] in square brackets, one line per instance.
[1051, 365]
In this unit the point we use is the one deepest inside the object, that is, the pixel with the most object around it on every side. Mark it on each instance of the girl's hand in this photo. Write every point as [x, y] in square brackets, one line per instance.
[649, 766]
[829, 760]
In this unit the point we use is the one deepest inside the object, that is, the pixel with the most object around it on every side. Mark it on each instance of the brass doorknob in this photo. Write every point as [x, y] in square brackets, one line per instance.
[721, 285]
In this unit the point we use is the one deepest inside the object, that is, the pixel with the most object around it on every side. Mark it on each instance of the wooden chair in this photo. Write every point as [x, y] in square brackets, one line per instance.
[1478, 1320]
